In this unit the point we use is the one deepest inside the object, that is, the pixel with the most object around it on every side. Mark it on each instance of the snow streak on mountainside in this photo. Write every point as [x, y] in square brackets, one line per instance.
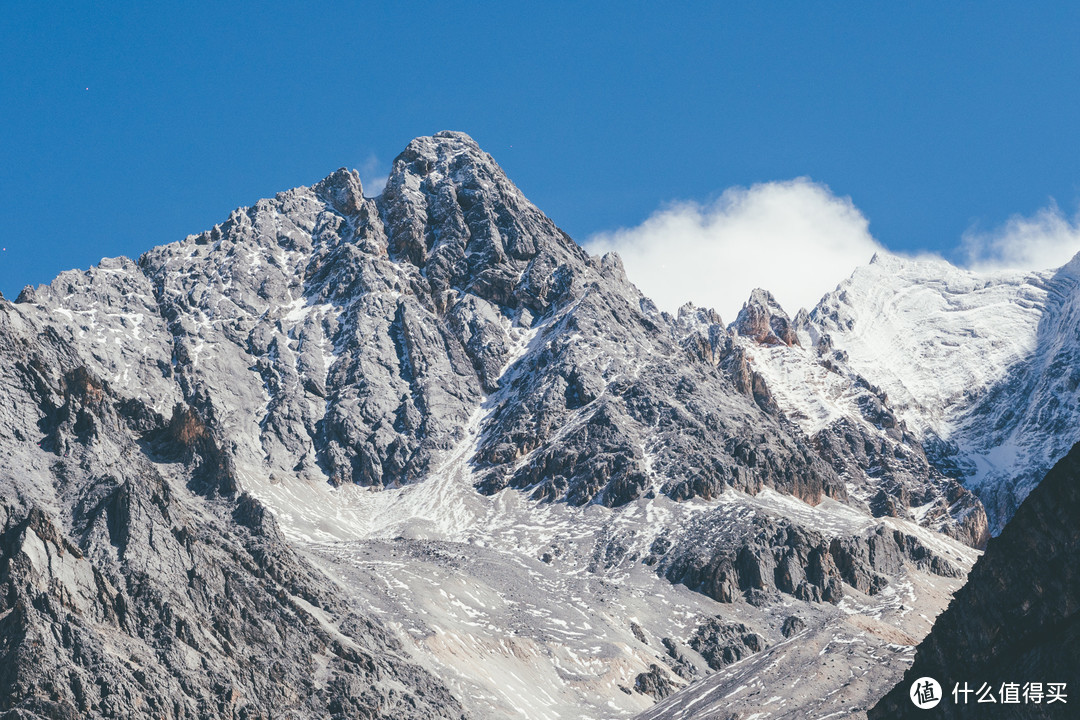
[560, 500]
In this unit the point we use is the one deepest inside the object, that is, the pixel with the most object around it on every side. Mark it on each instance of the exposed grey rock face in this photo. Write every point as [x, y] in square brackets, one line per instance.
[677, 661]
[1015, 620]
[761, 557]
[137, 584]
[793, 625]
[587, 430]
[656, 683]
[767, 558]
[722, 643]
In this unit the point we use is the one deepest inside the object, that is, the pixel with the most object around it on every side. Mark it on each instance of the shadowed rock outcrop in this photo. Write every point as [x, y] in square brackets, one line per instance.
[723, 643]
[1016, 619]
[765, 557]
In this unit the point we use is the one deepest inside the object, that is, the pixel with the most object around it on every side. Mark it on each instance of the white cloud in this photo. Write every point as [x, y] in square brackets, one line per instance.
[1043, 241]
[794, 238]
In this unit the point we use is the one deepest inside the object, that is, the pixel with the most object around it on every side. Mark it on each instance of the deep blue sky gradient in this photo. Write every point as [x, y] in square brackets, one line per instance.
[934, 117]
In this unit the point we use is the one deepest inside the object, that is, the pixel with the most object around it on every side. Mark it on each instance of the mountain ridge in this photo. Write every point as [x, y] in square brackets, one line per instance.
[977, 364]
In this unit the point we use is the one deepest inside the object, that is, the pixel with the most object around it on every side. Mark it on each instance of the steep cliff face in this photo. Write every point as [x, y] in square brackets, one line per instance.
[136, 582]
[1016, 619]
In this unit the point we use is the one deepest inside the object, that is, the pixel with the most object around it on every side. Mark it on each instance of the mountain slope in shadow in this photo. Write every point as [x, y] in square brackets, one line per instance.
[1016, 620]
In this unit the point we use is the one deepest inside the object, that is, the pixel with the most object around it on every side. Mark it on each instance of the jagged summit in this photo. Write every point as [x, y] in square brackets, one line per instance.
[443, 144]
[451, 210]
[762, 319]
[689, 313]
[342, 190]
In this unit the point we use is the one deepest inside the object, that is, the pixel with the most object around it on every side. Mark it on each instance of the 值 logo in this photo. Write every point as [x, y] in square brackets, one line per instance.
[925, 693]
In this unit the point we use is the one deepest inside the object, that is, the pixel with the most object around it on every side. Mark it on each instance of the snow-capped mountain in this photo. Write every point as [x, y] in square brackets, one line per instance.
[978, 368]
[514, 481]
[982, 367]
[850, 421]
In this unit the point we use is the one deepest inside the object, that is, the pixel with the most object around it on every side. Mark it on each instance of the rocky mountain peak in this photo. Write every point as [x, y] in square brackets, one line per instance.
[450, 209]
[342, 190]
[763, 320]
[690, 314]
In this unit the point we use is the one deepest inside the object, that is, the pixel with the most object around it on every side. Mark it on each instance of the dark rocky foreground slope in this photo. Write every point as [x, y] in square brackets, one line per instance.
[1018, 618]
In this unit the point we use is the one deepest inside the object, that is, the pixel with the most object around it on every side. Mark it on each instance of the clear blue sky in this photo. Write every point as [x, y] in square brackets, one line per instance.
[134, 126]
